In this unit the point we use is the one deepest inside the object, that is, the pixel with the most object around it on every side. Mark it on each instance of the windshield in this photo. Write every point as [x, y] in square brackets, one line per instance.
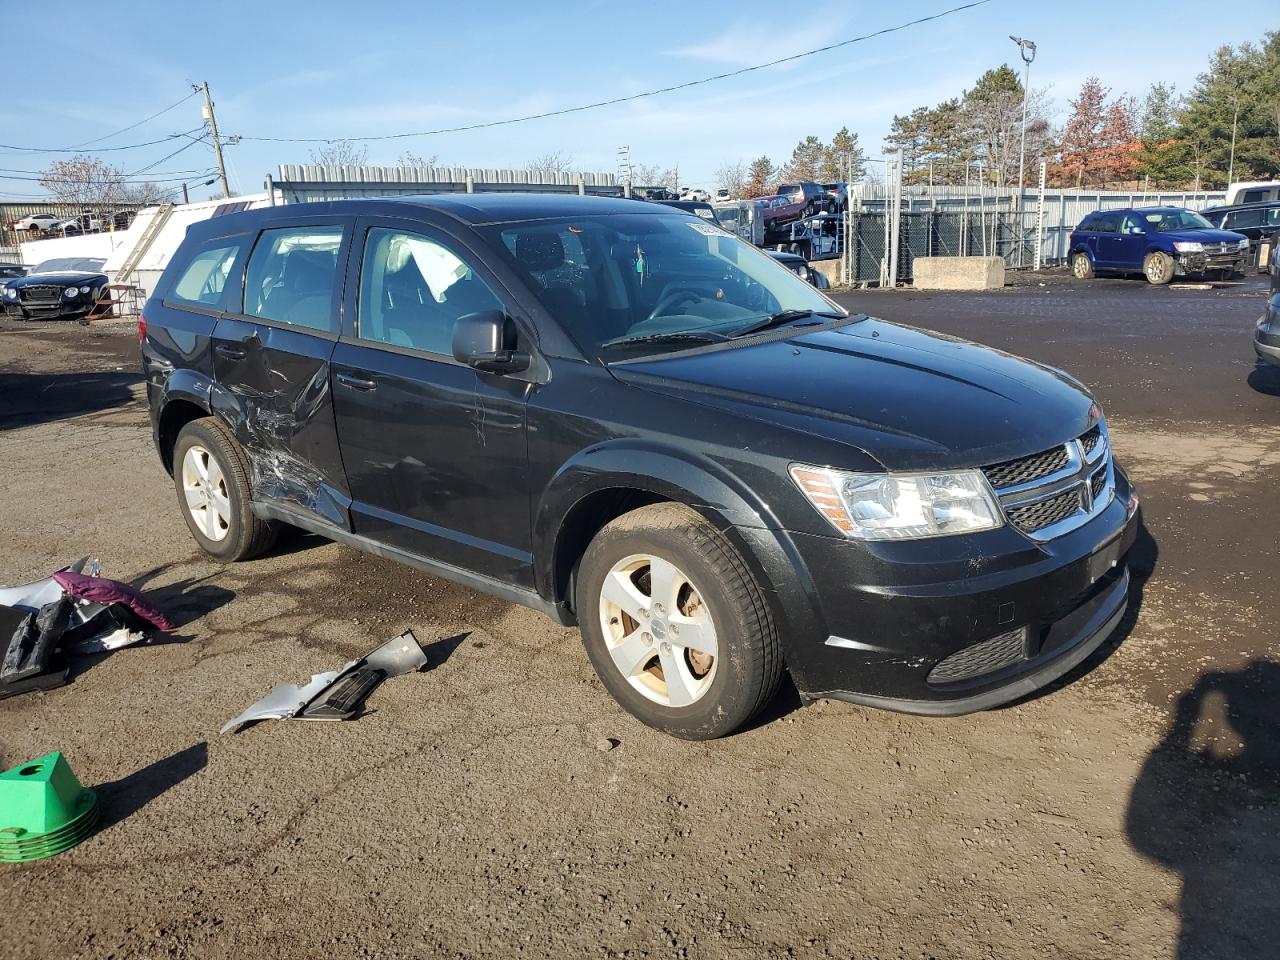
[1168, 221]
[607, 279]
[70, 265]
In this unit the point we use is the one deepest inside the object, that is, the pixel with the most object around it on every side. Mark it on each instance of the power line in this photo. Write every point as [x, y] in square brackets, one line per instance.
[122, 179]
[634, 96]
[181, 149]
[158, 173]
[132, 126]
[131, 146]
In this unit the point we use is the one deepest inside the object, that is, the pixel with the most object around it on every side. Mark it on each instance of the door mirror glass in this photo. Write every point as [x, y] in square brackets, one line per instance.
[487, 341]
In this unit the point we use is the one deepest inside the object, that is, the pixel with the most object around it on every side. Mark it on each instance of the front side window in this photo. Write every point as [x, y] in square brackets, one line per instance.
[1107, 223]
[614, 278]
[413, 289]
[290, 276]
[205, 277]
[1130, 226]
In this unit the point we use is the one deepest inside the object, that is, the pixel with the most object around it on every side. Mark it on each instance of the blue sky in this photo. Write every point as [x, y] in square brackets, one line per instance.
[329, 69]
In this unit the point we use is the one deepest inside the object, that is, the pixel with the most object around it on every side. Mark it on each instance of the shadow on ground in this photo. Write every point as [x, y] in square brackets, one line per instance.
[1207, 806]
[27, 399]
[124, 797]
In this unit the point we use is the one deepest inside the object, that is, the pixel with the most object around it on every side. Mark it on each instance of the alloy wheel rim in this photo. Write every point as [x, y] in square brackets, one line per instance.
[1082, 267]
[658, 630]
[204, 486]
[1156, 270]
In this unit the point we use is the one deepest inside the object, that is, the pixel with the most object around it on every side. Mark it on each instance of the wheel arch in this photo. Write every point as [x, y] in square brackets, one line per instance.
[184, 397]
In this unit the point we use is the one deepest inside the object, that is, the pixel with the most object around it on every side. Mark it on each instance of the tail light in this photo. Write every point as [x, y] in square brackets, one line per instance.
[142, 328]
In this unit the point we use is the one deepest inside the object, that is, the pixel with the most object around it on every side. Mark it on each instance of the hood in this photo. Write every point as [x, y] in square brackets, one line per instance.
[1213, 235]
[64, 278]
[913, 400]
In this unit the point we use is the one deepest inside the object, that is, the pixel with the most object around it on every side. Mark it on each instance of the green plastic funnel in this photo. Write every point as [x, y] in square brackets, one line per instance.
[43, 810]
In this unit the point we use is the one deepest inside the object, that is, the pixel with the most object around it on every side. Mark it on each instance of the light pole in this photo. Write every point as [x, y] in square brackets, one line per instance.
[1028, 51]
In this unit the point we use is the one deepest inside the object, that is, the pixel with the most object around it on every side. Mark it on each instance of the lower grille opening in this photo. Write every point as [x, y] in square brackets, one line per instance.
[1003, 650]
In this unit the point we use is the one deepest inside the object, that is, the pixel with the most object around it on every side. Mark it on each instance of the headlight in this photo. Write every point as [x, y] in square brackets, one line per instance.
[11, 293]
[70, 292]
[1188, 246]
[1243, 244]
[84, 289]
[888, 506]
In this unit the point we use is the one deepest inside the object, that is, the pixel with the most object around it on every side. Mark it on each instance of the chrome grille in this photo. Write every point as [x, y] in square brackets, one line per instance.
[1054, 491]
[1044, 513]
[39, 293]
[981, 658]
[1026, 469]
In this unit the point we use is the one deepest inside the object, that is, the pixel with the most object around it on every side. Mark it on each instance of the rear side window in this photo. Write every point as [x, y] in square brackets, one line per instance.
[1107, 223]
[290, 276]
[205, 276]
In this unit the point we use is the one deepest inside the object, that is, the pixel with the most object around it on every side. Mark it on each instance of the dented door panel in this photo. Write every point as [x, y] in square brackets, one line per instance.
[276, 397]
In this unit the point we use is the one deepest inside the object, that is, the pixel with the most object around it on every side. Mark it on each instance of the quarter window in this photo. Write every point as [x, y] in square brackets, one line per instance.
[413, 289]
[290, 276]
[206, 275]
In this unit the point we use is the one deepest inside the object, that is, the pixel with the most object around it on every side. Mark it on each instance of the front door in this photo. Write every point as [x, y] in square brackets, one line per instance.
[1131, 242]
[435, 451]
[271, 363]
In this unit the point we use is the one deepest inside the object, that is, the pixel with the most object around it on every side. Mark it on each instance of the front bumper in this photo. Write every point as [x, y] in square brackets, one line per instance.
[1266, 343]
[1201, 263]
[894, 611]
[47, 310]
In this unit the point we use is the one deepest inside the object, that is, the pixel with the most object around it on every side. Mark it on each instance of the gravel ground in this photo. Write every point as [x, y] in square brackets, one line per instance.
[1130, 812]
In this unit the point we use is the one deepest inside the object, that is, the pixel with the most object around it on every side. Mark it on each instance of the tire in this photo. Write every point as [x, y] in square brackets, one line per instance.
[211, 478]
[1158, 268]
[736, 666]
[1081, 266]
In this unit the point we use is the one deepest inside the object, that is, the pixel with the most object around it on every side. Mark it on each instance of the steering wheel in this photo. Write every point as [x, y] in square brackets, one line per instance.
[673, 297]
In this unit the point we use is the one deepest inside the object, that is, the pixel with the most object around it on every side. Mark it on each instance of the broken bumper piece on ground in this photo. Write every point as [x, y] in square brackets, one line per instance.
[336, 694]
[68, 612]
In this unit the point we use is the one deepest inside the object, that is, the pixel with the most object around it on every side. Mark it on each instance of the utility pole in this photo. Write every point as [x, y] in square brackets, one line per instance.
[1231, 170]
[1028, 51]
[213, 132]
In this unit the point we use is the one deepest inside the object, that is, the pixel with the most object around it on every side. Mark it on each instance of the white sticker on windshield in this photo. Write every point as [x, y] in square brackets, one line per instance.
[707, 229]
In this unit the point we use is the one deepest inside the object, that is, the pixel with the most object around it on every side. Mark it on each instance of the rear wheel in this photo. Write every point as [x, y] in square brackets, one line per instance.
[211, 475]
[1082, 267]
[1158, 267]
[675, 625]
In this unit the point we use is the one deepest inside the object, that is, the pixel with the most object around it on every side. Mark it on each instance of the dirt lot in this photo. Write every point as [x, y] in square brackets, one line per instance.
[1132, 812]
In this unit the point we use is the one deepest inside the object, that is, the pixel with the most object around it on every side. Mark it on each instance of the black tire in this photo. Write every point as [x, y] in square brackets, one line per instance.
[247, 535]
[1157, 266]
[1081, 266]
[748, 661]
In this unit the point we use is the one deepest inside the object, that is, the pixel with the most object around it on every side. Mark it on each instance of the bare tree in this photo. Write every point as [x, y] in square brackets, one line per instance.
[411, 159]
[732, 176]
[81, 180]
[341, 153]
[993, 115]
[550, 166]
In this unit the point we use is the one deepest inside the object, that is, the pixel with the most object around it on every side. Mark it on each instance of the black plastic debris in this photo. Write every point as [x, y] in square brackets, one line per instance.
[336, 694]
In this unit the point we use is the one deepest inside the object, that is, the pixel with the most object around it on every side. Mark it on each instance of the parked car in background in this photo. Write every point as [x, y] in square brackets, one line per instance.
[778, 211]
[723, 195]
[1158, 242]
[9, 271]
[62, 288]
[1266, 337]
[812, 196]
[694, 194]
[793, 260]
[814, 238]
[36, 223]
[1260, 222]
[622, 416]
[839, 192]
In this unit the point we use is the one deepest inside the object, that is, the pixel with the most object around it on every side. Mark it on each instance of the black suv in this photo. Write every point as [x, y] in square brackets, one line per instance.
[1260, 222]
[619, 415]
[813, 195]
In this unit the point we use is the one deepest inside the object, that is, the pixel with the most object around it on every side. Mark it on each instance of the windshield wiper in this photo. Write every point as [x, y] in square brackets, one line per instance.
[672, 337]
[781, 317]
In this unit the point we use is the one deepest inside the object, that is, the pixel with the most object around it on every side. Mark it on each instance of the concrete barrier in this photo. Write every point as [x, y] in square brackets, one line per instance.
[957, 273]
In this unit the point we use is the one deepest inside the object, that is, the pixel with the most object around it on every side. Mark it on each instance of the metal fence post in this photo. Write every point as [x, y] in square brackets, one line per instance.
[1039, 219]
[897, 221]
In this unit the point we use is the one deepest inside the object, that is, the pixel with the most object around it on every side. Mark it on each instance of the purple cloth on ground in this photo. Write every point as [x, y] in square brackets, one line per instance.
[101, 590]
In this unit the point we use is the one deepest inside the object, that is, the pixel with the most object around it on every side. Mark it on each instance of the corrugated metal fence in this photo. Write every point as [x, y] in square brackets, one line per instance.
[301, 183]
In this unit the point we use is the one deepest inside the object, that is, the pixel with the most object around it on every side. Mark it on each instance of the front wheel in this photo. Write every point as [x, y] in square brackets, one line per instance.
[1158, 267]
[211, 475]
[1081, 267]
[675, 625]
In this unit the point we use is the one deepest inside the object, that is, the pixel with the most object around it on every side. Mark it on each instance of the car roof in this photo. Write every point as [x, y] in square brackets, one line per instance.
[1252, 205]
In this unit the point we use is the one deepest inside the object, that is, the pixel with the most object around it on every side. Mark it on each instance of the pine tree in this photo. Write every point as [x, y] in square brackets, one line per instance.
[759, 178]
[842, 159]
[805, 159]
[1082, 133]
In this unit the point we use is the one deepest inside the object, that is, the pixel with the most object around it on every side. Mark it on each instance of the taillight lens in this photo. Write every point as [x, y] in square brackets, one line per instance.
[142, 328]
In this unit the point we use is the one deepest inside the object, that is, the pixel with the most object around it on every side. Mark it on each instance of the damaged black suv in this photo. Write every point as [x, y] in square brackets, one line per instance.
[617, 414]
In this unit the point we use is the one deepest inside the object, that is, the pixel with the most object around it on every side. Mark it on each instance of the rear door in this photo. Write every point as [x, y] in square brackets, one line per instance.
[271, 363]
[435, 451]
[1103, 240]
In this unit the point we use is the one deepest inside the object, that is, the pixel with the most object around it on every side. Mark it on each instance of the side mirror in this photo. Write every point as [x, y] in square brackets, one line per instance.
[487, 341]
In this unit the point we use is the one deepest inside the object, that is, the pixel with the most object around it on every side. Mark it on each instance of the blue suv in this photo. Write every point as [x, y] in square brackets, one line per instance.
[1160, 242]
